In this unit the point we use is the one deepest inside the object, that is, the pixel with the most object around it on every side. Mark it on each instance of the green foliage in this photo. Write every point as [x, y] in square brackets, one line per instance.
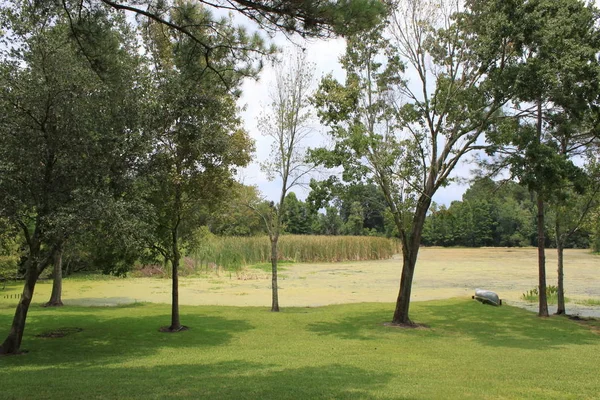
[235, 217]
[196, 133]
[297, 217]
[70, 126]
[551, 294]
[490, 214]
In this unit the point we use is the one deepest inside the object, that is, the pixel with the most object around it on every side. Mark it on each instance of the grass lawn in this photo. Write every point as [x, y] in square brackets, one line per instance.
[469, 351]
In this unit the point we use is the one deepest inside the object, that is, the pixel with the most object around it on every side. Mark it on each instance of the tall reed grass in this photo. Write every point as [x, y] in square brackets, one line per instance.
[236, 252]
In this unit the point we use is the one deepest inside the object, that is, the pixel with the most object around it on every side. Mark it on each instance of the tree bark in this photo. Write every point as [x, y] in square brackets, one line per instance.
[410, 251]
[543, 301]
[401, 315]
[561, 309]
[56, 296]
[274, 287]
[175, 322]
[12, 344]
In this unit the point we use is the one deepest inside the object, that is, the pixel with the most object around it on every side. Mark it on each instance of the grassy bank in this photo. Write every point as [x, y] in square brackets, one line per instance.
[236, 252]
[469, 351]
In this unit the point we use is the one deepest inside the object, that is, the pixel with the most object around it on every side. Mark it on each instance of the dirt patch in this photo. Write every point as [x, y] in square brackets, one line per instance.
[412, 325]
[60, 332]
[167, 329]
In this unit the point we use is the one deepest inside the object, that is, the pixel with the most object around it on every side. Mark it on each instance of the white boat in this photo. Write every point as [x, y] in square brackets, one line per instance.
[487, 297]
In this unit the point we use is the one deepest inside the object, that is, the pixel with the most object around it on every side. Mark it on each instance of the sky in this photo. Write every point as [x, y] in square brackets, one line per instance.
[325, 55]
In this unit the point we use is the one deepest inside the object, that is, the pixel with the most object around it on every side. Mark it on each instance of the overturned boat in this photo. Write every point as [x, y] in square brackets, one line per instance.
[487, 297]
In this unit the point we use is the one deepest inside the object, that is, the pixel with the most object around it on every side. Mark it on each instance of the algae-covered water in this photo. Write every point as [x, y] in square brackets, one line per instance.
[441, 273]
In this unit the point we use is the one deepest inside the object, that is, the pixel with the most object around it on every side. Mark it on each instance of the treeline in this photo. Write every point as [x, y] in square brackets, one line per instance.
[491, 213]
[497, 214]
[357, 210]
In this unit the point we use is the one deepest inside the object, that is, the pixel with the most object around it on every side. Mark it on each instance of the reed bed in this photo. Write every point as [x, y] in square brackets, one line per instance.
[237, 252]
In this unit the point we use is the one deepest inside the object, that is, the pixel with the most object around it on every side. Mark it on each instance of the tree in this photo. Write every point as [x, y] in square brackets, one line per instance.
[555, 87]
[234, 217]
[57, 274]
[355, 221]
[569, 213]
[68, 132]
[287, 123]
[197, 137]
[307, 18]
[410, 149]
[297, 218]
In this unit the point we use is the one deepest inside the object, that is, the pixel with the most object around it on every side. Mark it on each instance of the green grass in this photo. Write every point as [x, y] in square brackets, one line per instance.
[589, 302]
[551, 295]
[469, 351]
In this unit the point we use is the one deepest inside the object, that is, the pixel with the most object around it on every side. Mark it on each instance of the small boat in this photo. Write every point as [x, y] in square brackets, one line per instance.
[487, 297]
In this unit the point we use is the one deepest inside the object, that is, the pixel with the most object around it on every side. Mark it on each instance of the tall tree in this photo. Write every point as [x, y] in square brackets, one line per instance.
[197, 137]
[69, 133]
[410, 134]
[287, 123]
[569, 213]
[555, 85]
[307, 18]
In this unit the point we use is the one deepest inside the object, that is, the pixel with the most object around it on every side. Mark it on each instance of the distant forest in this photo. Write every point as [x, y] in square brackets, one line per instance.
[490, 214]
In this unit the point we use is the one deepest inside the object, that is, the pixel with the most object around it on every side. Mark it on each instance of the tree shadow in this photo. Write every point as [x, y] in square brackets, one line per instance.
[491, 326]
[363, 326]
[507, 326]
[105, 339]
[222, 380]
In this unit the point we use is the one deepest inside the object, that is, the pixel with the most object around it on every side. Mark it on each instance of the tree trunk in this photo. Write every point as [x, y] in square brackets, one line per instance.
[543, 304]
[410, 251]
[561, 310]
[403, 302]
[56, 296]
[274, 288]
[175, 322]
[12, 343]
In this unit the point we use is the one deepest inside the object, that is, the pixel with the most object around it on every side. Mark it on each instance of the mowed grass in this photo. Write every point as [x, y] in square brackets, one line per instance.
[469, 351]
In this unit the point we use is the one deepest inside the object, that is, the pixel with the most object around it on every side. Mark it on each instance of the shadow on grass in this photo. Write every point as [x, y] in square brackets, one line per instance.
[235, 379]
[491, 326]
[363, 326]
[106, 339]
[507, 326]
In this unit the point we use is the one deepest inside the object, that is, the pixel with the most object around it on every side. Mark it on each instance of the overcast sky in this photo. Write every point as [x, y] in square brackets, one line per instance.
[325, 55]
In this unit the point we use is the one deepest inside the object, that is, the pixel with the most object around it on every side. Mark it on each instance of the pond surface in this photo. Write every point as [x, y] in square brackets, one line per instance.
[440, 273]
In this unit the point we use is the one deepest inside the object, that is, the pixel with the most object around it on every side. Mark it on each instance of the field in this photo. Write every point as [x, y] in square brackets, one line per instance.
[339, 351]
[468, 351]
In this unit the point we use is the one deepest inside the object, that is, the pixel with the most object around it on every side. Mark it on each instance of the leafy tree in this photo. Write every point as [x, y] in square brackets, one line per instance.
[197, 137]
[330, 223]
[297, 218]
[367, 196]
[234, 217]
[410, 149]
[355, 221]
[307, 18]
[568, 215]
[287, 124]
[69, 133]
[555, 86]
